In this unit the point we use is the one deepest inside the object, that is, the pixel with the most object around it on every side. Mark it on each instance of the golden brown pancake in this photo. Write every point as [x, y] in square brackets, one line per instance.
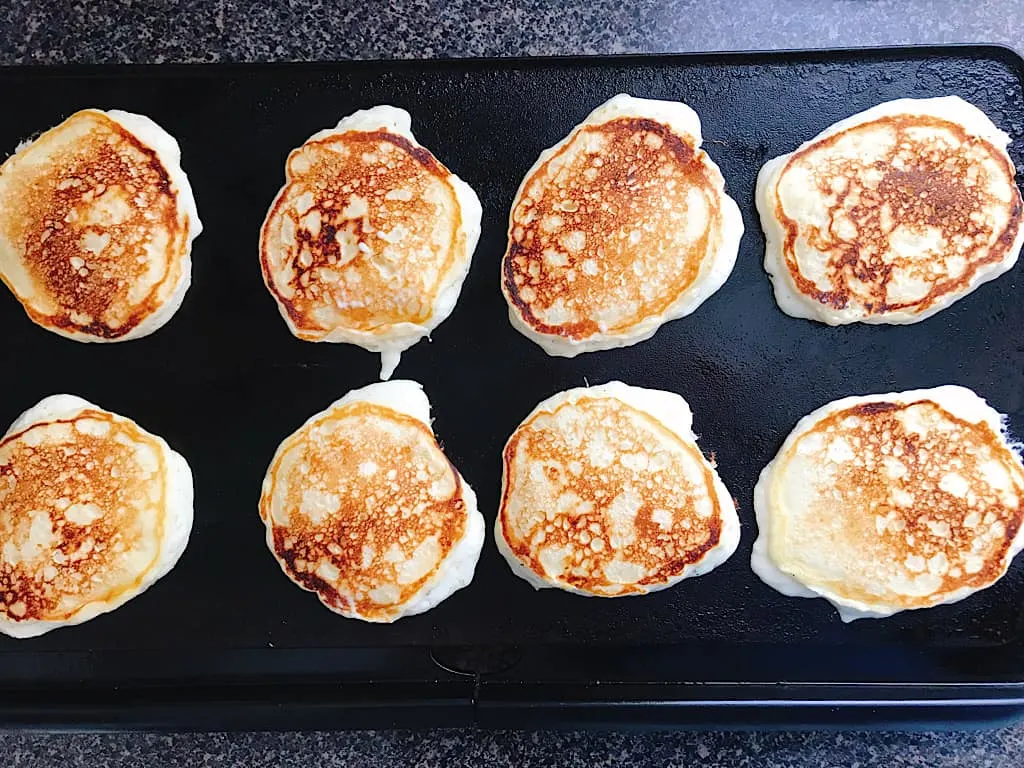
[371, 237]
[363, 509]
[96, 225]
[891, 502]
[891, 215]
[93, 510]
[605, 493]
[620, 227]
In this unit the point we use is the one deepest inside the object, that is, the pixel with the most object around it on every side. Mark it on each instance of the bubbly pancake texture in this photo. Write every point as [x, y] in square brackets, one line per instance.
[619, 228]
[605, 493]
[93, 510]
[886, 503]
[891, 215]
[96, 224]
[371, 237]
[363, 508]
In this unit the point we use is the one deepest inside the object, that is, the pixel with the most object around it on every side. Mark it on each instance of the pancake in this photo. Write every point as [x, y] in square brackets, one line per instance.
[93, 511]
[370, 238]
[890, 215]
[617, 229]
[606, 494]
[363, 509]
[893, 502]
[97, 221]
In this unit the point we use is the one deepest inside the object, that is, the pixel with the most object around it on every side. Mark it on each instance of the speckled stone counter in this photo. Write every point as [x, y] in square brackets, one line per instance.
[457, 748]
[53, 31]
[95, 31]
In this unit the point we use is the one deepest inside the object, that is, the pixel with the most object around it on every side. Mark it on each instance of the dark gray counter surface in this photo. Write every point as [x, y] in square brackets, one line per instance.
[95, 31]
[52, 31]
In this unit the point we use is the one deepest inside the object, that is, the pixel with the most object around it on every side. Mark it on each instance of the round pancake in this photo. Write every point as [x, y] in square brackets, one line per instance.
[891, 502]
[891, 215]
[363, 509]
[370, 238]
[617, 229]
[605, 493]
[97, 221]
[93, 510]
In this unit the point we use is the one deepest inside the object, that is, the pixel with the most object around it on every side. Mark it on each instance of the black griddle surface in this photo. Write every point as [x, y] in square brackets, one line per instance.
[225, 381]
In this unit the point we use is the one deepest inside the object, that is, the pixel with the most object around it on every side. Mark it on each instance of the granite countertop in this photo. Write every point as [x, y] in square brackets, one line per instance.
[96, 31]
[55, 31]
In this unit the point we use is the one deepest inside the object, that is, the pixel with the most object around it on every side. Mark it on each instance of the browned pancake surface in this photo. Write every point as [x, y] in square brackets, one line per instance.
[611, 229]
[914, 504]
[921, 182]
[82, 213]
[372, 508]
[78, 514]
[598, 480]
[363, 234]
